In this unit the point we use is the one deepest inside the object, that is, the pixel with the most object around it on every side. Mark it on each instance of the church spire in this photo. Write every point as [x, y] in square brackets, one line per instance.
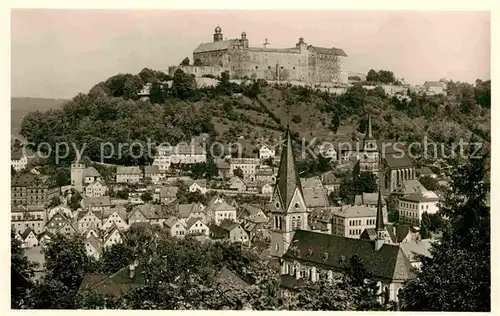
[288, 177]
[369, 134]
[379, 222]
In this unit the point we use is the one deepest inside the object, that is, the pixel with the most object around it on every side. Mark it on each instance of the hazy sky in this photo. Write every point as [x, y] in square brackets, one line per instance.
[58, 53]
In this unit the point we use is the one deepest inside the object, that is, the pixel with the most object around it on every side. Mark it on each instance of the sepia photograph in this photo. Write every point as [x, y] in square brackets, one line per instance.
[265, 160]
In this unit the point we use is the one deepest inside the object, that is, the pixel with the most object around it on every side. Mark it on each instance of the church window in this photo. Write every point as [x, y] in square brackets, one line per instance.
[277, 246]
[299, 222]
[256, 67]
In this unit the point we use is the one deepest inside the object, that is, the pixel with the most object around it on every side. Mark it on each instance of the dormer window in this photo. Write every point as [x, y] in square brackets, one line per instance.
[297, 205]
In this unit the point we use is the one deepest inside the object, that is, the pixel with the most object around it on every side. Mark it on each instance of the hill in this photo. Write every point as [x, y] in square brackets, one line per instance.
[245, 113]
[20, 107]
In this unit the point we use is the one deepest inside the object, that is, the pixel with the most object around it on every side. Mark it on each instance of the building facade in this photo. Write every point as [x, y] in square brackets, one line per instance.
[307, 63]
[412, 206]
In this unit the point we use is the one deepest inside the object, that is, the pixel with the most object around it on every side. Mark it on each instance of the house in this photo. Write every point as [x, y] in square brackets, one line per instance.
[116, 216]
[29, 238]
[23, 217]
[224, 169]
[199, 185]
[96, 189]
[330, 182]
[18, 160]
[153, 214]
[136, 216]
[57, 221]
[434, 87]
[93, 247]
[266, 189]
[128, 174]
[116, 284]
[102, 203]
[153, 173]
[195, 226]
[63, 209]
[193, 210]
[255, 221]
[265, 174]
[165, 195]
[218, 210]
[182, 153]
[314, 193]
[229, 230]
[89, 219]
[351, 220]
[176, 227]
[370, 200]
[412, 206]
[112, 236]
[266, 152]
[327, 150]
[91, 175]
[408, 187]
[31, 189]
[237, 184]
[230, 281]
[44, 238]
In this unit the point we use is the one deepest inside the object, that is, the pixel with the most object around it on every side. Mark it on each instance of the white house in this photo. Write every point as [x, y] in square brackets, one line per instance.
[195, 226]
[29, 238]
[91, 175]
[93, 247]
[116, 216]
[88, 220]
[266, 152]
[247, 165]
[412, 206]
[176, 227]
[112, 237]
[18, 160]
[96, 189]
[154, 173]
[267, 189]
[179, 154]
[237, 184]
[218, 210]
[434, 87]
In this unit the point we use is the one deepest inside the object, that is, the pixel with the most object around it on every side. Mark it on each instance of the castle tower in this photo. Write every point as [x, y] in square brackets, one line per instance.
[77, 169]
[218, 34]
[369, 161]
[244, 40]
[287, 207]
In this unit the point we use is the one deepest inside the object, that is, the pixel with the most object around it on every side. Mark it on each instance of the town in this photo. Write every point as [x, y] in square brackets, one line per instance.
[290, 184]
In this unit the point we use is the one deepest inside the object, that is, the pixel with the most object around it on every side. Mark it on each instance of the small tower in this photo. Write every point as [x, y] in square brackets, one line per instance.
[77, 169]
[370, 159]
[301, 44]
[266, 43]
[218, 34]
[244, 40]
[287, 207]
[379, 224]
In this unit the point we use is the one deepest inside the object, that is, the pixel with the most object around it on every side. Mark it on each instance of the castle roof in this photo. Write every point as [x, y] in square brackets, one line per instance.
[324, 250]
[288, 177]
[328, 51]
[214, 46]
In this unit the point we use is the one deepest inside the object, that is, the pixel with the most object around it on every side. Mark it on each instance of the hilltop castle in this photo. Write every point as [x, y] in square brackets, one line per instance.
[306, 63]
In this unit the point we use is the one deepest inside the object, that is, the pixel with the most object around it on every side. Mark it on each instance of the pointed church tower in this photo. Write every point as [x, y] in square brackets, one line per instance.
[379, 224]
[369, 161]
[287, 208]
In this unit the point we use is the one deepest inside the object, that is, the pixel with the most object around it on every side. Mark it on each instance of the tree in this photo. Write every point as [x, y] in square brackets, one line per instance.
[457, 277]
[183, 85]
[147, 197]
[185, 62]
[122, 194]
[55, 201]
[75, 201]
[372, 76]
[238, 173]
[23, 266]
[157, 93]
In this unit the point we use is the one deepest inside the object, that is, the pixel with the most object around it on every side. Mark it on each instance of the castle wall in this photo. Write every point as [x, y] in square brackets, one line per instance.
[198, 71]
[213, 58]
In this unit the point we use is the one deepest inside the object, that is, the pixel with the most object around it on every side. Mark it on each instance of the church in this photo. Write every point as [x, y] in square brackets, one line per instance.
[303, 62]
[308, 255]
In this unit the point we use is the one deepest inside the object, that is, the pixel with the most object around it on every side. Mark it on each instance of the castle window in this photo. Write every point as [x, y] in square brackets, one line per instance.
[268, 67]
[293, 68]
[256, 67]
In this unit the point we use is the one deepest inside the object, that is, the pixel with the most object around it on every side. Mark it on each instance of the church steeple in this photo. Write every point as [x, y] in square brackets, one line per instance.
[379, 222]
[369, 134]
[288, 177]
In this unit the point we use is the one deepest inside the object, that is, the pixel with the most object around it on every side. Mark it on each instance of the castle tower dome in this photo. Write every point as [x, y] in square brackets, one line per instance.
[218, 34]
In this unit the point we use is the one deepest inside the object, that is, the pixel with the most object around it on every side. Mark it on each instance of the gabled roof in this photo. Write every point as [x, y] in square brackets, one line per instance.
[91, 172]
[328, 51]
[353, 211]
[329, 178]
[230, 280]
[151, 211]
[26, 233]
[288, 176]
[389, 262]
[168, 192]
[395, 161]
[411, 186]
[151, 169]
[97, 201]
[419, 197]
[128, 170]
[96, 243]
[192, 221]
[313, 192]
[186, 209]
[228, 225]
[214, 46]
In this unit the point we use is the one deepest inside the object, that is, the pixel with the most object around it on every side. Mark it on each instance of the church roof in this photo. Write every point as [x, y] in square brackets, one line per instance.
[379, 224]
[214, 46]
[288, 177]
[324, 250]
[395, 161]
